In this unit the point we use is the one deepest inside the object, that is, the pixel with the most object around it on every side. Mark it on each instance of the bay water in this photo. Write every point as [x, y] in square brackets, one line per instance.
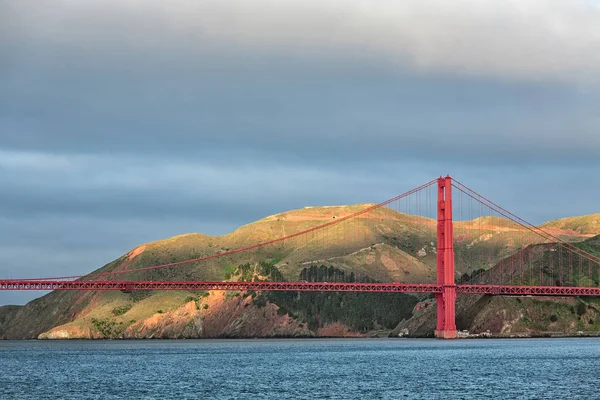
[301, 369]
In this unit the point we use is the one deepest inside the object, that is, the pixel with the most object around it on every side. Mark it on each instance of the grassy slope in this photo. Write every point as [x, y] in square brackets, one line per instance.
[384, 244]
[522, 315]
[586, 224]
[484, 238]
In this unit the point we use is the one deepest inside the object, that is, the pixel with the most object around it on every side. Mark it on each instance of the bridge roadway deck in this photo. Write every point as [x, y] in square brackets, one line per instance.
[505, 290]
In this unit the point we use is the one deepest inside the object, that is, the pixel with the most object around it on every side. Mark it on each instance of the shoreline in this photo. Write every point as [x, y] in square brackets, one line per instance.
[545, 335]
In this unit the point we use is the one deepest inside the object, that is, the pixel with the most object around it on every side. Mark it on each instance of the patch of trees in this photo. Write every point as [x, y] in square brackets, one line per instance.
[581, 308]
[323, 274]
[359, 311]
[120, 310]
[466, 277]
[255, 272]
[108, 328]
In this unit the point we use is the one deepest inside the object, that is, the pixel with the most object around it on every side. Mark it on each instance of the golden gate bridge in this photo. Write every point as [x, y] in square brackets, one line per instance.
[540, 262]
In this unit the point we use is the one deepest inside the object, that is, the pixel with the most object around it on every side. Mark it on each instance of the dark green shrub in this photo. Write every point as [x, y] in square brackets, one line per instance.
[581, 308]
[121, 309]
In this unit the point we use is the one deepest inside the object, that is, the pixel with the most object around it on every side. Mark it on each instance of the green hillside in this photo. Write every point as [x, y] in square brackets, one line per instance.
[381, 245]
[586, 224]
[538, 264]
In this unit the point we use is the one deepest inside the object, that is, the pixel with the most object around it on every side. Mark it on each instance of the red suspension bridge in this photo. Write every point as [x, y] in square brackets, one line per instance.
[485, 250]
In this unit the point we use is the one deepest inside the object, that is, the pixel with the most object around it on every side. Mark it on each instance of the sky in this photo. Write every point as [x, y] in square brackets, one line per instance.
[128, 121]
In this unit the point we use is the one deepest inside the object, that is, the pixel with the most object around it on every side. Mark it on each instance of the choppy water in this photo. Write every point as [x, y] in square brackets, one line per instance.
[294, 369]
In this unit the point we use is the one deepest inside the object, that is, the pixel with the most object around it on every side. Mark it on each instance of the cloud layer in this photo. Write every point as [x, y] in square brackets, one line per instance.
[528, 39]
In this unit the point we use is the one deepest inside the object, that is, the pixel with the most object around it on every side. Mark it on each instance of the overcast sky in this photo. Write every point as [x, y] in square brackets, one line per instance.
[127, 121]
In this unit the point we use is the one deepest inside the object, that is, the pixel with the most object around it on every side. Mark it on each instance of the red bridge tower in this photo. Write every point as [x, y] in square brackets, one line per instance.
[446, 325]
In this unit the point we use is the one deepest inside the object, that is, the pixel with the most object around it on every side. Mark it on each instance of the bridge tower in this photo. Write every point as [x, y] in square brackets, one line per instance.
[446, 319]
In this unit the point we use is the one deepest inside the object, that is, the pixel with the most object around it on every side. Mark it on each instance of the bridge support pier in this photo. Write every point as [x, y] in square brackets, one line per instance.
[446, 318]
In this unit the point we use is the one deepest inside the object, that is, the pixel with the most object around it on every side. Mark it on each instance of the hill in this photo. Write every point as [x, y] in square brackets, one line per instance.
[523, 315]
[382, 245]
[587, 224]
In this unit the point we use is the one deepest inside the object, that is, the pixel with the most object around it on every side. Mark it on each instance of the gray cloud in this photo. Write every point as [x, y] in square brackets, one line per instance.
[276, 109]
[531, 39]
